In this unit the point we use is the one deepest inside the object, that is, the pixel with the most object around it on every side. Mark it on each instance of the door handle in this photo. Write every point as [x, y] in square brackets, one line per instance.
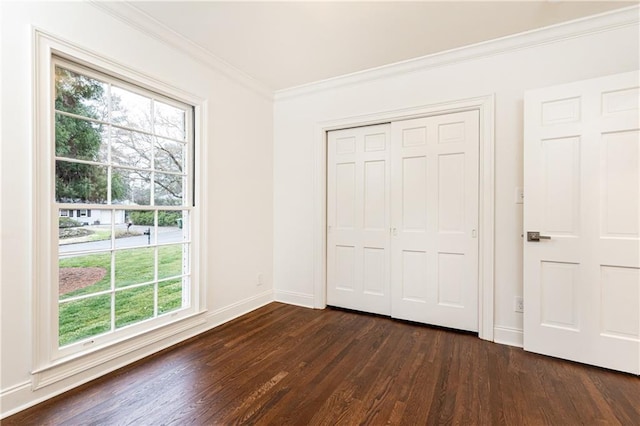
[535, 236]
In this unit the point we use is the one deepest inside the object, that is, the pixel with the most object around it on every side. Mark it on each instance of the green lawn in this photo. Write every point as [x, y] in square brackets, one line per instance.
[99, 234]
[88, 317]
[105, 234]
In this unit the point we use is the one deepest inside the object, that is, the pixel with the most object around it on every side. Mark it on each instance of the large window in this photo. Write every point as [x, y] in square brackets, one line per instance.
[123, 159]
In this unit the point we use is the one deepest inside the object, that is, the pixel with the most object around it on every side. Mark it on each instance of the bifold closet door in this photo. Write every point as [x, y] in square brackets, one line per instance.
[358, 219]
[434, 219]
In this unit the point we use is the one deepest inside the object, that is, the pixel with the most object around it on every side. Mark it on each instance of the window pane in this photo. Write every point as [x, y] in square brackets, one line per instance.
[130, 187]
[84, 274]
[84, 318]
[169, 121]
[134, 266]
[81, 139]
[169, 155]
[170, 261]
[80, 183]
[171, 227]
[81, 95]
[73, 237]
[136, 229]
[130, 109]
[168, 189]
[169, 296]
[134, 305]
[131, 149]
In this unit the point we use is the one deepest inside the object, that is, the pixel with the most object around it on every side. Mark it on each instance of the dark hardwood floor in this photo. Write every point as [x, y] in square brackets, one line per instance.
[284, 365]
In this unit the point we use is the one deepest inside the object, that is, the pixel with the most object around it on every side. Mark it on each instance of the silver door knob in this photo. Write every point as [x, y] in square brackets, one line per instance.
[535, 236]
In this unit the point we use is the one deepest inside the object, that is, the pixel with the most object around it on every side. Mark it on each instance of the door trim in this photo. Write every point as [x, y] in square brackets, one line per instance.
[485, 106]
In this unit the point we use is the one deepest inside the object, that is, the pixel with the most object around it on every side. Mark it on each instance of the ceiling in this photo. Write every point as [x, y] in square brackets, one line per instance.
[287, 44]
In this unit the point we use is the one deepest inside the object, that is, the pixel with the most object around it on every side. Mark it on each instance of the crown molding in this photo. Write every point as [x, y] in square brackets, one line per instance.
[571, 29]
[136, 18]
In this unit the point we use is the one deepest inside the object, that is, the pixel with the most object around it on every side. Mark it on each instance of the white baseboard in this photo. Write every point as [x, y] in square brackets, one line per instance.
[294, 298]
[508, 336]
[11, 399]
[22, 396]
[235, 310]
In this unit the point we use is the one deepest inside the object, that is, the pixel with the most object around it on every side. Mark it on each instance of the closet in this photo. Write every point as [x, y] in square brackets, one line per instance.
[402, 219]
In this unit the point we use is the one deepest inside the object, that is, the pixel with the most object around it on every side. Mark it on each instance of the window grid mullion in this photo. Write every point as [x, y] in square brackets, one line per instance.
[156, 262]
[153, 164]
[74, 206]
[119, 166]
[113, 291]
[118, 126]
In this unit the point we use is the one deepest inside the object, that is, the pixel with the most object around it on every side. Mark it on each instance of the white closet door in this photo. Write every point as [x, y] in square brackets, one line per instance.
[582, 194]
[434, 211]
[358, 219]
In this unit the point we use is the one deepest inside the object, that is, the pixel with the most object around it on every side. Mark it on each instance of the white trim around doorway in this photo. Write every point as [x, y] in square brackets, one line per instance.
[485, 105]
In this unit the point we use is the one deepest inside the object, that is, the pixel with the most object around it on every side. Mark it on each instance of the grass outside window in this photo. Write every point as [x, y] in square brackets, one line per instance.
[90, 316]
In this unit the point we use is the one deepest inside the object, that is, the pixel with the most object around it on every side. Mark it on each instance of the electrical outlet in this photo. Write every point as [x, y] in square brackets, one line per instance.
[260, 279]
[519, 304]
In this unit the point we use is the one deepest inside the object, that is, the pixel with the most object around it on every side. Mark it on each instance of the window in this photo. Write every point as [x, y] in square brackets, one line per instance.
[123, 158]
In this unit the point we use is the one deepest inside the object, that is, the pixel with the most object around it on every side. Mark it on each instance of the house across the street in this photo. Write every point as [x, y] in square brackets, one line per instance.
[94, 216]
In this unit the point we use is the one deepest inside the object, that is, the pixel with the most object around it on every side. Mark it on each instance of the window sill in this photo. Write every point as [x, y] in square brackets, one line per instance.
[71, 365]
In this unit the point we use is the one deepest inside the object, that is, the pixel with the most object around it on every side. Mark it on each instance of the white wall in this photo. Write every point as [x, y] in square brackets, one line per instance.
[238, 201]
[507, 75]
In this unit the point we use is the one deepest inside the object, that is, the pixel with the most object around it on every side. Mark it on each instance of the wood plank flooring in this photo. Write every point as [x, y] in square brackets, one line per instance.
[286, 365]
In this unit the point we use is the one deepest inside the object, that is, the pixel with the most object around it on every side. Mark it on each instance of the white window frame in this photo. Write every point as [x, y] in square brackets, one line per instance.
[52, 363]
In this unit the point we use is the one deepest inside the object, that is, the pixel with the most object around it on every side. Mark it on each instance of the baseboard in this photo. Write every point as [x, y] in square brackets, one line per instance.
[12, 397]
[508, 336]
[294, 298]
[22, 396]
[235, 310]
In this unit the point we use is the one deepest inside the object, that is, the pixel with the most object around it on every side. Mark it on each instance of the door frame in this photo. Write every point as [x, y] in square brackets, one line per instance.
[486, 191]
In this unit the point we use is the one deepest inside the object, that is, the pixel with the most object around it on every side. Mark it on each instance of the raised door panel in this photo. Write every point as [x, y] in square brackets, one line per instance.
[345, 193]
[414, 276]
[451, 193]
[620, 292]
[561, 187]
[451, 285]
[345, 268]
[375, 266]
[375, 195]
[559, 300]
[621, 184]
[414, 194]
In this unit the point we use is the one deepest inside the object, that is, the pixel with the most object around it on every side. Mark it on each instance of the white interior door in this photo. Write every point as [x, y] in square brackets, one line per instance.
[434, 211]
[582, 191]
[358, 219]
